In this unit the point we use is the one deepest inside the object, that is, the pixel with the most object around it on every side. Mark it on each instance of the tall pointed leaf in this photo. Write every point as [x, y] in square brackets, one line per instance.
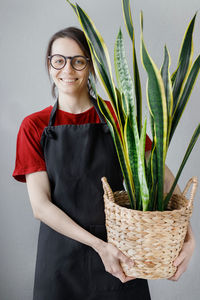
[132, 157]
[121, 112]
[99, 53]
[145, 201]
[127, 17]
[189, 84]
[121, 152]
[131, 138]
[154, 177]
[168, 89]
[158, 107]
[137, 85]
[73, 6]
[152, 168]
[123, 76]
[141, 167]
[186, 156]
[173, 76]
[184, 61]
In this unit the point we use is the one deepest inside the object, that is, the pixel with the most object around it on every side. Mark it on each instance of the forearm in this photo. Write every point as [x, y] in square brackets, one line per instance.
[55, 218]
[43, 209]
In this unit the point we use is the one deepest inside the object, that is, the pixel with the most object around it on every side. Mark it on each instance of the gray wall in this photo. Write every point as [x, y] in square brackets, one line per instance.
[26, 27]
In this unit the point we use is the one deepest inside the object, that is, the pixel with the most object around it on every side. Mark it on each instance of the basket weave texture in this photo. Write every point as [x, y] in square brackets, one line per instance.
[153, 239]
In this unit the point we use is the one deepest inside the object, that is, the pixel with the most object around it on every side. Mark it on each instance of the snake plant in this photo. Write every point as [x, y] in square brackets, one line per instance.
[167, 95]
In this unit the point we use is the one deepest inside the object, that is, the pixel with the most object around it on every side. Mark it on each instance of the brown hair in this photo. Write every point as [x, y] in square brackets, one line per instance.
[79, 37]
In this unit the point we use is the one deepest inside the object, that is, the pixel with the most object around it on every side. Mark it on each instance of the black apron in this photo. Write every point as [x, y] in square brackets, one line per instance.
[76, 158]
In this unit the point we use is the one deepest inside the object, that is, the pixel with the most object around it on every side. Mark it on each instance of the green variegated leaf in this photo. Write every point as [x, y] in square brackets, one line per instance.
[132, 157]
[121, 113]
[137, 85]
[168, 89]
[173, 76]
[184, 62]
[138, 91]
[158, 108]
[126, 87]
[141, 168]
[152, 168]
[121, 152]
[143, 138]
[189, 84]
[99, 53]
[124, 104]
[127, 17]
[186, 156]
[151, 174]
[145, 201]
[123, 76]
[73, 6]
[154, 176]
[152, 146]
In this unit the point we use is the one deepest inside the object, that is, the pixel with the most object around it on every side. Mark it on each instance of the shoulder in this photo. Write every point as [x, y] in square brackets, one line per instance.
[41, 115]
[37, 119]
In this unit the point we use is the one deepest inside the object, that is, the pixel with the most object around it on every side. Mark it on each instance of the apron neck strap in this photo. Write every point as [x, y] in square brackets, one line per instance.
[55, 107]
[53, 114]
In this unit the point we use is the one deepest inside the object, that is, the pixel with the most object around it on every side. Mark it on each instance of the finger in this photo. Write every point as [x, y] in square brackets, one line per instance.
[181, 269]
[128, 278]
[125, 259]
[175, 277]
[179, 259]
[118, 272]
[172, 278]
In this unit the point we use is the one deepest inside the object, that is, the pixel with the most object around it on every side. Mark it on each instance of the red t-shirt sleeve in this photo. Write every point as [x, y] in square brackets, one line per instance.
[148, 140]
[29, 155]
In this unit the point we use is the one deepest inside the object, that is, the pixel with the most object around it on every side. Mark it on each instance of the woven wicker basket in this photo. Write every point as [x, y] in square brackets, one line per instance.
[153, 239]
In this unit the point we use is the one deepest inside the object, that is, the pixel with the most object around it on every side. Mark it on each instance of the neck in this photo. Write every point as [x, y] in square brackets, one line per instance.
[74, 104]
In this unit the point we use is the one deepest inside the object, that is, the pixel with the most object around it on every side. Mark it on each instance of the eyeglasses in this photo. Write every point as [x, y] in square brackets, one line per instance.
[77, 62]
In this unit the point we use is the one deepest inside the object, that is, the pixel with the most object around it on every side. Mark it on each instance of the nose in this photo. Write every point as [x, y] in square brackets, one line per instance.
[68, 67]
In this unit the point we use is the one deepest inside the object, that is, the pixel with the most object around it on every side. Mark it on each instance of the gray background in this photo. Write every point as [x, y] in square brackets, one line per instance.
[26, 27]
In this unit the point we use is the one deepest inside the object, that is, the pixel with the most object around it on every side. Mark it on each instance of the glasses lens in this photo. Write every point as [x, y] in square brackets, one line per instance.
[79, 62]
[57, 61]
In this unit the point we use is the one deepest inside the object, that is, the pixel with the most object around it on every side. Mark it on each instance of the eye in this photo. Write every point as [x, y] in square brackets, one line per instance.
[79, 61]
[57, 61]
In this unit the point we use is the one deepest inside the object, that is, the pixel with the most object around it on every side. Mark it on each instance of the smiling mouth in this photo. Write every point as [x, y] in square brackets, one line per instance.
[68, 80]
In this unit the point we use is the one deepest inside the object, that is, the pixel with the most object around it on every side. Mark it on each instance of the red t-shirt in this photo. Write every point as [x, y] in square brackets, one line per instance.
[29, 154]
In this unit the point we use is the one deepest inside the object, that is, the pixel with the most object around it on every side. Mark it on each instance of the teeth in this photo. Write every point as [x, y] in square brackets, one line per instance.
[68, 80]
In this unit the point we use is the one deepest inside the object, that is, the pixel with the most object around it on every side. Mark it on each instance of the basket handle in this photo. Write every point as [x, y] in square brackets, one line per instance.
[193, 181]
[107, 189]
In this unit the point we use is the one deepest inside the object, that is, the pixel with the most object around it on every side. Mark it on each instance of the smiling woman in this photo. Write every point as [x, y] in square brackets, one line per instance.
[70, 40]
[68, 79]
[62, 153]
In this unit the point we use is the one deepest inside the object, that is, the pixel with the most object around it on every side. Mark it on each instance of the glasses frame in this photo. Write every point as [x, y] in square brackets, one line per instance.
[66, 58]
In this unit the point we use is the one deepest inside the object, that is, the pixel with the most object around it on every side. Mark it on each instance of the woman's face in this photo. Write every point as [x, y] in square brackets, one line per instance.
[68, 80]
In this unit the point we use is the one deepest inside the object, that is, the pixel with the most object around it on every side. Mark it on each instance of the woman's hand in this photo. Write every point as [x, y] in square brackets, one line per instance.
[189, 244]
[184, 256]
[111, 257]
